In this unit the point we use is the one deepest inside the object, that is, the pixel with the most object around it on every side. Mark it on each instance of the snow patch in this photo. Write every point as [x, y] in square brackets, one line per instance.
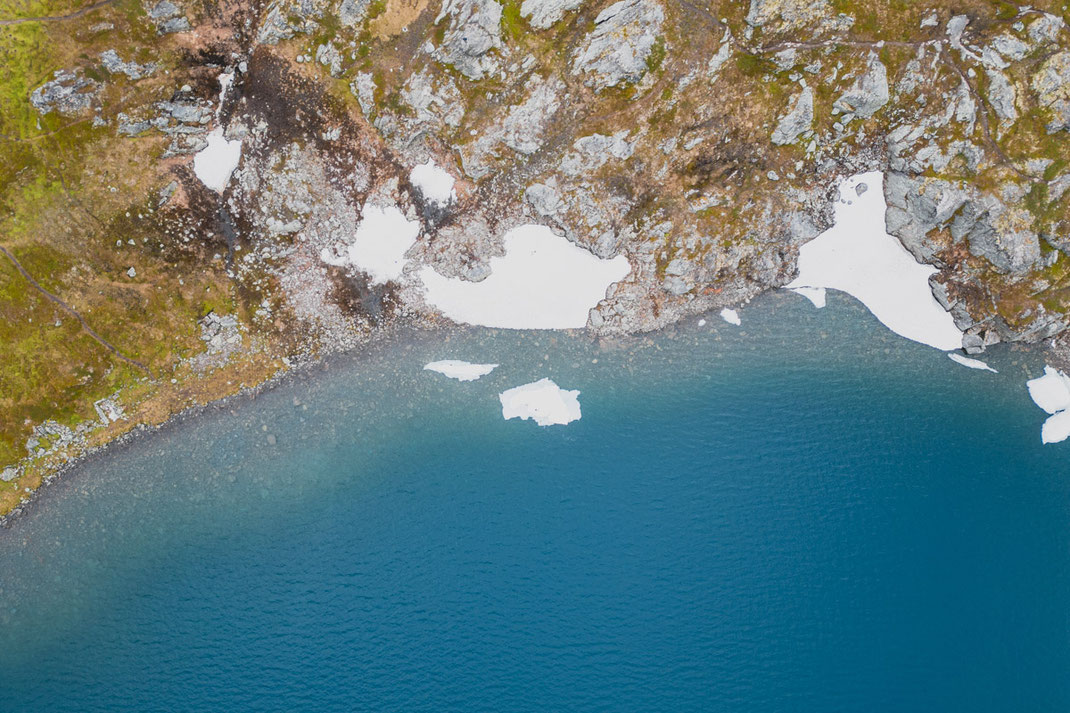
[379, 244]
[215, 163]
[1051, 392]
[460, 370]
[858, 257]
[542, 282]
[542, 401]
[434, 183]
[814, 294]
[731, 316]
[970, 363]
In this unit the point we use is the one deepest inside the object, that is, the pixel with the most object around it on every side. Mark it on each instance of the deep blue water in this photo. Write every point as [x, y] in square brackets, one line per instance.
[805, 514]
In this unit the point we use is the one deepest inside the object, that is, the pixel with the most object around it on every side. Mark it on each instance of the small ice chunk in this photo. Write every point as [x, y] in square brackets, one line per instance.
[460, 370]
[543, 401]
[1056, 428]
[434, 183]
[382, 239]
[1050, 392]
[731, 316]
[702, 323]
[215, 163]
[970, 363]
[814, 294]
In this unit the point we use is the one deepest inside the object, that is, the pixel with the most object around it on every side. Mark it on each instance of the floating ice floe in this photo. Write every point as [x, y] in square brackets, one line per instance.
[1051, 392]
[731, 316]
[434, 183]
[970, 363]
[460, 370]
[379, 245]
[543, 282]
[215, 163]
[858, 257]
[815, 294]
[543, 401]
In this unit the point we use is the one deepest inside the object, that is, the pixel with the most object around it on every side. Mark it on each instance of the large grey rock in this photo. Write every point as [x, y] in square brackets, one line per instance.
[615, 52]
[592, 152]
[1002, 96]
[111, 61]
[544, 13]
[916, 207]
[69, 93]
[784, 14]
[474, 30]
[1052, 86]
[1001, 234]
[797, 120]
[869, 92]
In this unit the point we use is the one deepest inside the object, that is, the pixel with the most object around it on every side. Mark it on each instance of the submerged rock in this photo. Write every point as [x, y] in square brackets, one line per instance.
[616, 51]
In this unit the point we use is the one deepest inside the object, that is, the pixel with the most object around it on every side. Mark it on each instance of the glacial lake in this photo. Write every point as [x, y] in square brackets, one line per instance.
[802, 513]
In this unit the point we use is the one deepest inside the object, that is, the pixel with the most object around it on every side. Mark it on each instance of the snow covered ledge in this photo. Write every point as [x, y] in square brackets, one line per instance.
[858, 257]
[543, 282]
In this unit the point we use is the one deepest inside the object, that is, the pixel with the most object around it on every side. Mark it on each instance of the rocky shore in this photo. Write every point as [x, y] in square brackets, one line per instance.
[701, 142]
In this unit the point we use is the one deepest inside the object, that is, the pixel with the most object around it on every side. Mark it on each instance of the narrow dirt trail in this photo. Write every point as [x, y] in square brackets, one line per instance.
[57, 18]
[70, 310]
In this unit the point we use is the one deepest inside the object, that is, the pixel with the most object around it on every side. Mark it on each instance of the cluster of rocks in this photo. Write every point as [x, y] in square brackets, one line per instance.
[115, 65]
[69, 93]
[222, 336]
[185, 118]
[168, 17]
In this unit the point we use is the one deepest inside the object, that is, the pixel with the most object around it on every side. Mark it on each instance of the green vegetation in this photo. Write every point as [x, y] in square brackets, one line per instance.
[657, 55]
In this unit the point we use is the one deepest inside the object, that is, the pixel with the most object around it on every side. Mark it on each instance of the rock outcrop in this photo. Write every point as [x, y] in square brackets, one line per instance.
[616, 51]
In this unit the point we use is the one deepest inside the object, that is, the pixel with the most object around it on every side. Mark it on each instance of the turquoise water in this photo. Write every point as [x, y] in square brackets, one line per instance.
[805, 514]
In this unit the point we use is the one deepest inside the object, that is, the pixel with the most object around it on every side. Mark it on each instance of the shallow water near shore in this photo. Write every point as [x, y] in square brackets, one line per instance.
[805, 513]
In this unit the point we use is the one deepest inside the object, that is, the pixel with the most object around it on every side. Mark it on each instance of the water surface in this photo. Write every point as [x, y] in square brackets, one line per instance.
[806, 513]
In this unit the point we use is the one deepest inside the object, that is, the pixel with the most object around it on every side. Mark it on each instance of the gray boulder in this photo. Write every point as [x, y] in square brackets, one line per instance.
[544, 13]
[798, 120]
[616, 51]
[474, 30]
[869, 92]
